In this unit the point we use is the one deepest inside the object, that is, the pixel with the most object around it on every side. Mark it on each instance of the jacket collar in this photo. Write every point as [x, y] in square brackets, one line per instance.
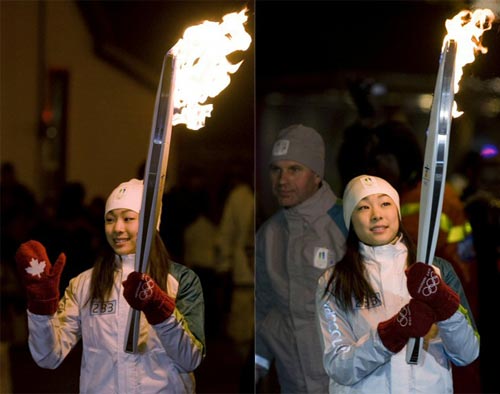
[125, 262]
[381, 253]
[318, 204]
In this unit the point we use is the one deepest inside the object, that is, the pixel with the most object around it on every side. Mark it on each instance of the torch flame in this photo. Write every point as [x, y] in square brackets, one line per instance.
[202, 67]
[466, 29]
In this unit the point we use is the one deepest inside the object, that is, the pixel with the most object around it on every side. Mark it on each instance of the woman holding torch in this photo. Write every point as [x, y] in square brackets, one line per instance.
[96, 305]
[372, 301]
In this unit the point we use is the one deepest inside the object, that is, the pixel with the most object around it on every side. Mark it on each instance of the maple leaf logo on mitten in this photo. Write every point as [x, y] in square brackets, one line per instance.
[36, 268]
[40, 278]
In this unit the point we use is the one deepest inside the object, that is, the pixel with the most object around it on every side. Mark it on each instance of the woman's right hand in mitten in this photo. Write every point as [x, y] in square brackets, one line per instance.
[424, 284]
[142, 293]
[413, 320]
[39, 277]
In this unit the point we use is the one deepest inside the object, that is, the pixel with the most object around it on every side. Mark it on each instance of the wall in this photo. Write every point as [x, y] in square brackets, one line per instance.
[109, 114]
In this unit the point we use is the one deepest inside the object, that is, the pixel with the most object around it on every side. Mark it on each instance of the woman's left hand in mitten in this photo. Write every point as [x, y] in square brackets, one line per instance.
[142, 293]
[424, 284]
[413, 320]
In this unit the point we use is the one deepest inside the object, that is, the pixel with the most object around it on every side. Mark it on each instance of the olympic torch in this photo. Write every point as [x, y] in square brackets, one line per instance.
[434, 171]
[459, 48]
[194, 69]
[154, 182]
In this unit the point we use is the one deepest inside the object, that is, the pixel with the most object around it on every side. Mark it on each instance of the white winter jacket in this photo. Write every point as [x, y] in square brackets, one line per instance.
[353, 354]
[168, 352]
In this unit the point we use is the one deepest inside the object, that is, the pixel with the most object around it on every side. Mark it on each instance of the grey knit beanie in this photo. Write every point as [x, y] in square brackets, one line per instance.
[301, 144]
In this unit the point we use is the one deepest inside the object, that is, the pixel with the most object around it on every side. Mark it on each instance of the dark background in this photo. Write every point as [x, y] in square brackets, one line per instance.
[127, 34]
[304, 37]
[309, 54]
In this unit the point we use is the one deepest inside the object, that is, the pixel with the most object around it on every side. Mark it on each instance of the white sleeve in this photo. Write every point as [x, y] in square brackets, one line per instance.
[51, 338]
[460, 339]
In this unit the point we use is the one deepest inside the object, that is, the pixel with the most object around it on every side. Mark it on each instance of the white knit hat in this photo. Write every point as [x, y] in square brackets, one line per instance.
[301, 144]
[363, 186]
[127, 195]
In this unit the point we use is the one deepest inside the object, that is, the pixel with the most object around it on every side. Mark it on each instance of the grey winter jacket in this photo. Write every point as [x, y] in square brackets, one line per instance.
[293, 248]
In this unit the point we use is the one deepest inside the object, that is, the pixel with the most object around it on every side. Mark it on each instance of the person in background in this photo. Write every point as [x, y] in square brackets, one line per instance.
[200, 256]
[293, 248]
[358, 141]
[377, 297]
[96, 305]
[483, 210]
[235, 246]
[177, 212]
[235, 239]
[19, 209]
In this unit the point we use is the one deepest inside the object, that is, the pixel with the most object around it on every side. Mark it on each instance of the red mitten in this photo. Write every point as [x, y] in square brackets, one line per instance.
[413, 320]
[424, 284]
[39, 277]
[143, 294]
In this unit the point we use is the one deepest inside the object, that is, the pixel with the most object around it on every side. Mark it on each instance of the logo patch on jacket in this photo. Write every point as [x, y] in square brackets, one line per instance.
[323, 258]
[103, 308]
[368, 303]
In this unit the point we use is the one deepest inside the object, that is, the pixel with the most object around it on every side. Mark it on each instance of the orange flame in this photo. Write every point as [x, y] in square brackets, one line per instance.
[466, 28]
[202, 67]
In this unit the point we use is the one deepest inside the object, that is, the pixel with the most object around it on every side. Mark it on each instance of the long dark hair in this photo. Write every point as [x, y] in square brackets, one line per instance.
[104, 271]
[349, 281]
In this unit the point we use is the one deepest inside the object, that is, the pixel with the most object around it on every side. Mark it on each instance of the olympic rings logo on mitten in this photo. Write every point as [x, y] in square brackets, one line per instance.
[404, 317]
[145, 291]
[430, 285]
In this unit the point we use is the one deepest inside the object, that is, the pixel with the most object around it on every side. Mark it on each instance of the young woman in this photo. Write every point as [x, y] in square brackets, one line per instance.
[96, 306]
[372, 301]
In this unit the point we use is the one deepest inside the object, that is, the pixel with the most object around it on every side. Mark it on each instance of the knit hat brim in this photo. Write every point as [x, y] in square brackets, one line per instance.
[127, 195]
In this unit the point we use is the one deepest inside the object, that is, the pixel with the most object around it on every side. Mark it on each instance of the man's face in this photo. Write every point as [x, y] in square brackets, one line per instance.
[292, 182]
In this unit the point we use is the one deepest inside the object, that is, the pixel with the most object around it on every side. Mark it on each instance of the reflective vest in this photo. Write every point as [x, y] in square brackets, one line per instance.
[455, 232]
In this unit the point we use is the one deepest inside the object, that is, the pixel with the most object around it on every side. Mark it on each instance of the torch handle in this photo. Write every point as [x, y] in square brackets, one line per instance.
[154, 183]
[414, 350]
[131, 338]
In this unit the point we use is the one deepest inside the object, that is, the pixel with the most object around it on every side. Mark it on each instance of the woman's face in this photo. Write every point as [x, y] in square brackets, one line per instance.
[376, 220]
[121, 227]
